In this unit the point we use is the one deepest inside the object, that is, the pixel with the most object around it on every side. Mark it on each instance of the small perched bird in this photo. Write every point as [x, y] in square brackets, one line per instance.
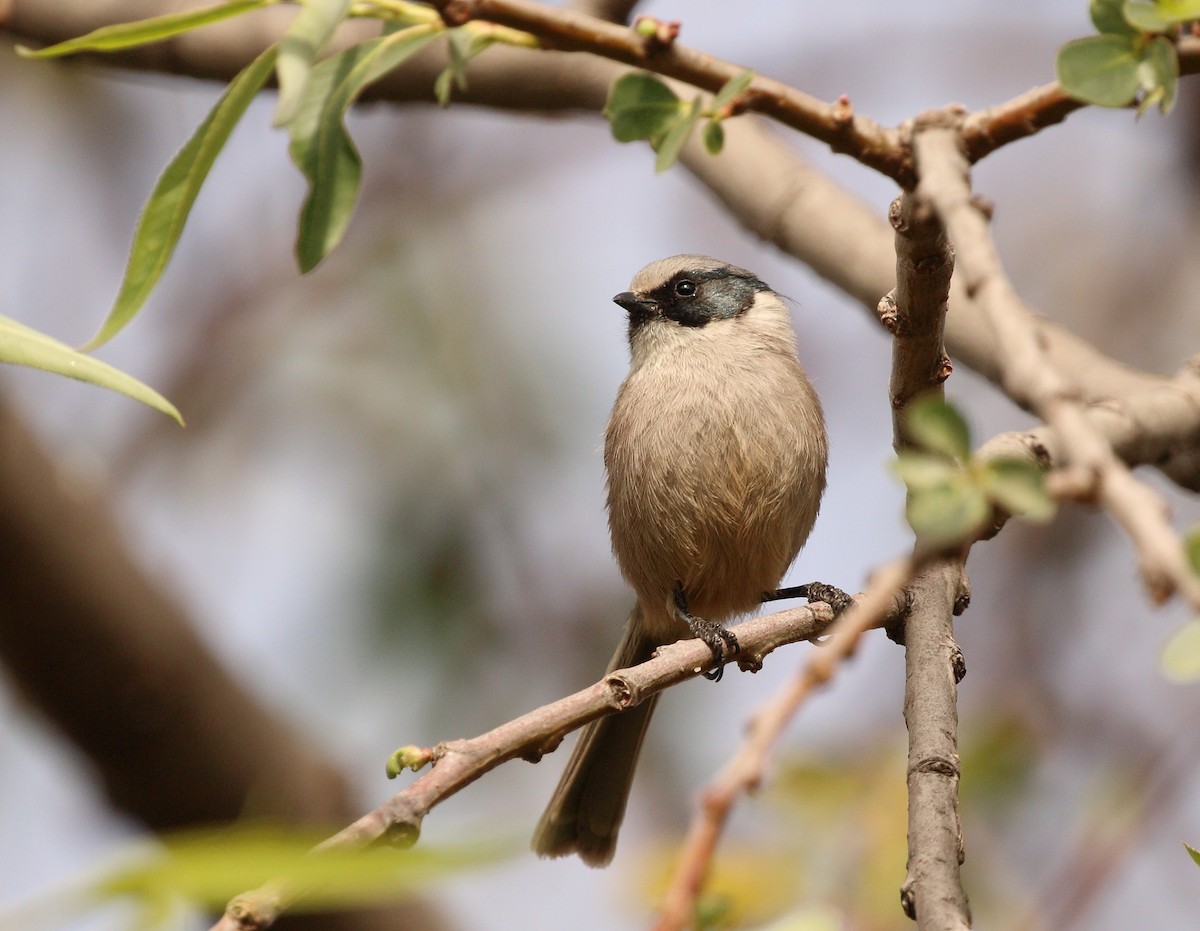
[715, 454]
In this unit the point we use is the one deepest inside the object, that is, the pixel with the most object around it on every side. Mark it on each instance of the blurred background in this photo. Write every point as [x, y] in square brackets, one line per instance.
[386, 513]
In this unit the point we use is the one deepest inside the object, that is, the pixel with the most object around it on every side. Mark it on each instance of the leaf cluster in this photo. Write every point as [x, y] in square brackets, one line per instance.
[641, 106]
[952, 495]
[1133, 60]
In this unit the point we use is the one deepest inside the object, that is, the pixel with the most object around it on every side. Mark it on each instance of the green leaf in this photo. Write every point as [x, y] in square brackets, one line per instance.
[1180, 659]
[320, 145]
[1145, 17]
[308, 34]
[1099, 69]
[209, 867]
[1109, 16]
[464, 43]
[1193, 853]
[1019, 487]
[714, 137]
[1191, 546]
[920, 471]
[640, 106]
[671, 142]
[732, 89]
[144, 31]
[163, 218]
[21, 345]
[947, 514]
[1158, 75]
[938, 427]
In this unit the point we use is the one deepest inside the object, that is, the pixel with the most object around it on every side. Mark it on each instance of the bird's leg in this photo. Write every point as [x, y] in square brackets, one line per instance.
[722, 642]
[814, 591]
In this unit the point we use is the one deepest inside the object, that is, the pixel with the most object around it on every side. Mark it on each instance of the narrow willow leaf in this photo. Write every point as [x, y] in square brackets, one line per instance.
[1180, 660]
[309, 33]
[938, 427]
[947, 514]
[1193, 853]
[1108, 16]
[731, 89]
[920, 471]
[640, 106]
[166, 212]
[145, 31]
[1099, 69]
[207, 868]
[671, 142]
[1019, 487]
[22, 345]
[320, 145]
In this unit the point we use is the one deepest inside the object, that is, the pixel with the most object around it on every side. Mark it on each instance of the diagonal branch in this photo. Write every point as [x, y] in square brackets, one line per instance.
[1027, 375]
[458, 763]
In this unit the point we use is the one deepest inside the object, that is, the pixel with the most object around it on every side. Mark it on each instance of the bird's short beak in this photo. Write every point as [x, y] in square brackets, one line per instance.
[634, 303]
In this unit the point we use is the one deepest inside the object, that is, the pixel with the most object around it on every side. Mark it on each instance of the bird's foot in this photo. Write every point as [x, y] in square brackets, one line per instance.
[723, 643]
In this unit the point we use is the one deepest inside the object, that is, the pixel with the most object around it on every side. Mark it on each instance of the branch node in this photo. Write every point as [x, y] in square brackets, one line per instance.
[455, 12]
[937, 765]
[908, 899]
[888, 313]
[659, 34]
[622, 693]
[842, 112]
[958, 663]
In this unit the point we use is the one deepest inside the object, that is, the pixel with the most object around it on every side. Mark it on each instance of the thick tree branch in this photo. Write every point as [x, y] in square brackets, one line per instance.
[458, 763]
[932, 892]
[882, 605]
[115, 665]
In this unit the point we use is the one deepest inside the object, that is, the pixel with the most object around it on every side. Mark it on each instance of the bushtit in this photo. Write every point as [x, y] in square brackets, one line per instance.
[715, 454]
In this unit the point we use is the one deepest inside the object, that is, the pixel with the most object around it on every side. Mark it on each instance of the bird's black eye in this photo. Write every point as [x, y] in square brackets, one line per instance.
[685, 287]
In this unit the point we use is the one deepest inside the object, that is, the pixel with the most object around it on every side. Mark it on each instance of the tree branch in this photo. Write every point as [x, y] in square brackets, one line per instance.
[458, 763]
[1029, 376]
[932, 893]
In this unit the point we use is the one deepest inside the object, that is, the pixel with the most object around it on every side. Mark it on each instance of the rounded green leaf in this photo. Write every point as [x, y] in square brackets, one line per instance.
[1019, 487]
[938, 427]
[947, 514]
[714, 137]
[21, 345]
[1180, 660]
[1109, 16]
[920, 471]
[1178, 11]
[1145, 17]
[640, 106]
[1158, 74]
[1101, 70]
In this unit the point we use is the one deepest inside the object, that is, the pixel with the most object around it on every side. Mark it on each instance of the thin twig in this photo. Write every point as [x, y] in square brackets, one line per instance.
[883, 599]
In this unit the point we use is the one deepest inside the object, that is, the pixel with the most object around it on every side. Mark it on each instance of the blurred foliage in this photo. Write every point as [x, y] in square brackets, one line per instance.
[835, 837]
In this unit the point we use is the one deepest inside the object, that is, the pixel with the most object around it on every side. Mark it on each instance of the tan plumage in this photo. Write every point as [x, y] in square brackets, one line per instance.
[715, 454]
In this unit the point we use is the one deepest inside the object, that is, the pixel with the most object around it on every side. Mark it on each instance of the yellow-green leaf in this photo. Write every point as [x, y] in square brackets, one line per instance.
[1180, 660]
[1108, 16]
[1191, 545]
[166, 212]
[209, 867]
[947, 514]
[1019, 487]
[320, 145]
[145, 31]
[22, 345]
[731, 89]
[308, 34]
[1158, 75]
[920, 470]
[1193, 853]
